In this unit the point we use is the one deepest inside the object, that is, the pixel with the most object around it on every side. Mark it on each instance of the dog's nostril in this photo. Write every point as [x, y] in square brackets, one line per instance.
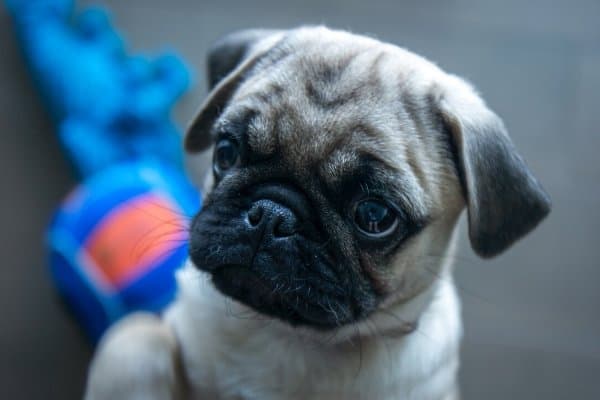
[277, 220]
[255, 214]
[285, 225]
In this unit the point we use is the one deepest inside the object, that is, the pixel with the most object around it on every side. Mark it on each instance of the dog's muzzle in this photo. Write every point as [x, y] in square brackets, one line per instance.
[264, 247]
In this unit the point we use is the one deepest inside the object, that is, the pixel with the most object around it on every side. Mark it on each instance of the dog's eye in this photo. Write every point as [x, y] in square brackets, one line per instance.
[374, 218]
[226, 156]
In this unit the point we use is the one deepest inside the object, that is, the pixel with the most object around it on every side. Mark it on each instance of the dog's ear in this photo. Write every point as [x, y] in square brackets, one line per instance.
[504, 200]
[229, 52]
[228, 61]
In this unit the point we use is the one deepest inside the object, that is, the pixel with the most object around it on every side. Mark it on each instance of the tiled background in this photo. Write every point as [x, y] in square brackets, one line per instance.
[532, 316]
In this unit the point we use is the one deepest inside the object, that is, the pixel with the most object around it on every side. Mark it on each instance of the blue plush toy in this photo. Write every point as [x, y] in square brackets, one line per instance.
[108, 106]
[117, 239]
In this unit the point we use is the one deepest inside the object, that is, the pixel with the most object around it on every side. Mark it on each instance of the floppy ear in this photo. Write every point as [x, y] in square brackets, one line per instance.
[228, 61]
[504, 200]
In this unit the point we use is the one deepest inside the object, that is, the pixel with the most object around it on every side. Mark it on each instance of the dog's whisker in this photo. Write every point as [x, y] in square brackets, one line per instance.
[175, 210]
[151, 231]
[360, 352]
[150, 241]
[161, 218]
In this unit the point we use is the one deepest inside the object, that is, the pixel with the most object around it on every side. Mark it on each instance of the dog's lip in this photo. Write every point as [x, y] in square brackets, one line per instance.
[241, 275]
[262, 290]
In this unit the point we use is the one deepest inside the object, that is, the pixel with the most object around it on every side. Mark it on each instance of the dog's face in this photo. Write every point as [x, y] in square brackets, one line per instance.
[341, 165]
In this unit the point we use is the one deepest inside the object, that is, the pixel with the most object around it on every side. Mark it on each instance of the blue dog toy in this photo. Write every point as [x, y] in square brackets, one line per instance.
[109, 106]
[116, 241]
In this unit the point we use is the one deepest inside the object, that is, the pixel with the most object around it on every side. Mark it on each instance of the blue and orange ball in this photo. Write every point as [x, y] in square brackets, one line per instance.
[117, 240]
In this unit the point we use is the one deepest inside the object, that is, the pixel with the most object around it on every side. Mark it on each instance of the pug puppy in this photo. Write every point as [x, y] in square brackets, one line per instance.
[320, 264]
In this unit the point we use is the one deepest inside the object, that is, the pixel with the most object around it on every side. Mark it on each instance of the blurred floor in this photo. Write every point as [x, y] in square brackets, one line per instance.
[531, 316]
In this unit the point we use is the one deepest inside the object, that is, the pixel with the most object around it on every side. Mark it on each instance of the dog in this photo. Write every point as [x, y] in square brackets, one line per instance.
[320, 264]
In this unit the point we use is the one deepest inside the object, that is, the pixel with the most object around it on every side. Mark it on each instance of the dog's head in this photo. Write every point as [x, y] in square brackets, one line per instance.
[341, 165]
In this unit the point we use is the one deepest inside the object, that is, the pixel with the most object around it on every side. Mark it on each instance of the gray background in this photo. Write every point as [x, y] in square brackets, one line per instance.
[531, 316]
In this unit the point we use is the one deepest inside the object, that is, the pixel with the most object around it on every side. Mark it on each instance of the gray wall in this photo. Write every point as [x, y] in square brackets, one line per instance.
[531, 316]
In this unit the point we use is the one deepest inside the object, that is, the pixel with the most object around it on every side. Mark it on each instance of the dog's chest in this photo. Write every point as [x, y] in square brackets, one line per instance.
[286, 373]
[231, 354]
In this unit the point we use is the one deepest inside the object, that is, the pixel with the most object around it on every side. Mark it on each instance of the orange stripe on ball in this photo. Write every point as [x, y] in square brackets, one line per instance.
[134, 237]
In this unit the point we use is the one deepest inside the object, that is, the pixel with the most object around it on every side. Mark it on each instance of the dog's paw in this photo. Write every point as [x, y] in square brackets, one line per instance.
[136, 359]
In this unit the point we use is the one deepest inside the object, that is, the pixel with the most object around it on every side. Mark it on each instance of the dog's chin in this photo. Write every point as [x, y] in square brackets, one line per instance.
[300, 307]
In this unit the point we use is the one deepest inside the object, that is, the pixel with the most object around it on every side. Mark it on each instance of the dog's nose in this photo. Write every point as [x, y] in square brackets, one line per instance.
[277, 220]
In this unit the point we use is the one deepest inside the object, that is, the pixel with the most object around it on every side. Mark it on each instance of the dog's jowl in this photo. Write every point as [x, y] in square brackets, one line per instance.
[320, 264]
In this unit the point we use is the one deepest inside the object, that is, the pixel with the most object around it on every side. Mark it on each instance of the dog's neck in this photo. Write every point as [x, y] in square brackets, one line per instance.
[209, 326]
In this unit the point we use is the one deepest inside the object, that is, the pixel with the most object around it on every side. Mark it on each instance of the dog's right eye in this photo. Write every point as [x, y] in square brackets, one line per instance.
[374, 218]
[226, 156]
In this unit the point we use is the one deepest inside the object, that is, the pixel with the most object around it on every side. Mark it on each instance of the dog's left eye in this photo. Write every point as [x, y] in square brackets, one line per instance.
[226, 156]
[374, 218]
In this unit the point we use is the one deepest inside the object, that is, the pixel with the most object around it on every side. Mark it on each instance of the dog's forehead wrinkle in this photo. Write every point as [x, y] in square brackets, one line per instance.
[333, 143]
[336, 96]
[328, 65]
[348, 83]
[258, 141]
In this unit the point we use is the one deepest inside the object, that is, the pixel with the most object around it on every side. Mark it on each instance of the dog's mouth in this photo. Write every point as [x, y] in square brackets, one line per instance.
[298, 305]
